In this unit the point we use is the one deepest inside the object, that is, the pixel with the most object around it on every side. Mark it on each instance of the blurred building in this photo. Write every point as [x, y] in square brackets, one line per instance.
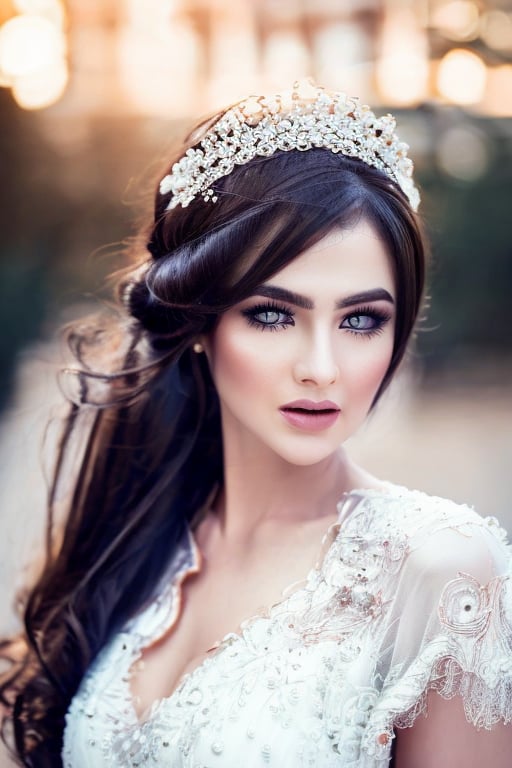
[174, 58]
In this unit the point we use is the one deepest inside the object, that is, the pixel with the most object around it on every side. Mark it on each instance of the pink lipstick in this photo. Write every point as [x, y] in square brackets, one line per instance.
[309, 415]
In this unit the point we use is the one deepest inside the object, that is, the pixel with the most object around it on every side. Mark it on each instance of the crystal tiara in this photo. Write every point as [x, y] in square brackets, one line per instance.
[307, 116]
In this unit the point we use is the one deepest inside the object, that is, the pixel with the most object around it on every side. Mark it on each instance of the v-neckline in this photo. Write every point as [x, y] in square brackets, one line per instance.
[344, 509]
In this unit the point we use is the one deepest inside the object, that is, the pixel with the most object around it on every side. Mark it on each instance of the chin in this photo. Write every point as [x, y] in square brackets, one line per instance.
[309, 455]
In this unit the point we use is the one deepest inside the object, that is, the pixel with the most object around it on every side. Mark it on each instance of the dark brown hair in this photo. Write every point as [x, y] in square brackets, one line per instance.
[152, 451]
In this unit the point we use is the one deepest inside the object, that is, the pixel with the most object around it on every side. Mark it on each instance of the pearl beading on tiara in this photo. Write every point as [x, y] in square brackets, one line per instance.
[306, 117]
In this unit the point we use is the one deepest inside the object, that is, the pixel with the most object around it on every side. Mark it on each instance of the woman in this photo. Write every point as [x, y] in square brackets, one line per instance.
[229, 589]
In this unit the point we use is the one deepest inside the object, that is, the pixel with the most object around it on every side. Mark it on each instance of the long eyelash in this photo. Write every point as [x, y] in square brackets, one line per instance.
[269, 306]
[380, 315]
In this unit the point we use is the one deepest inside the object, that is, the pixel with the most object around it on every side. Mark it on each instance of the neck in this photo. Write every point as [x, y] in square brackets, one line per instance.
[263, 487]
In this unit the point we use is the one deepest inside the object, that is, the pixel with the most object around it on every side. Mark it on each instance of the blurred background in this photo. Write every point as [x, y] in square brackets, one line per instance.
[92, 95]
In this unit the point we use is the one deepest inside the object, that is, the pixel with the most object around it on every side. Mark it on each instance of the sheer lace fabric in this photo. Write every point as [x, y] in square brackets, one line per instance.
[411, 593]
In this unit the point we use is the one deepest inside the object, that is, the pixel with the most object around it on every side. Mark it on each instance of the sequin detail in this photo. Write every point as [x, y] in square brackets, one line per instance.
[393, 609]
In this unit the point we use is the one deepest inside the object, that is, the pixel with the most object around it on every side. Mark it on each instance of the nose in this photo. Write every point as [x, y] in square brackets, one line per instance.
[316, 364]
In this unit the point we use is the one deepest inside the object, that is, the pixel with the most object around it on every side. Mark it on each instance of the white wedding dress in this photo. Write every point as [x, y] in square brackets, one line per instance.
[411, 593]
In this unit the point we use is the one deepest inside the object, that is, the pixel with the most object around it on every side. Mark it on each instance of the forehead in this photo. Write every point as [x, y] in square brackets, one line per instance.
[354, 258]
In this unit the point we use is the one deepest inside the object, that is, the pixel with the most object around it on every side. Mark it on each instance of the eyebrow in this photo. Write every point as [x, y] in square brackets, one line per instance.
[283, 294]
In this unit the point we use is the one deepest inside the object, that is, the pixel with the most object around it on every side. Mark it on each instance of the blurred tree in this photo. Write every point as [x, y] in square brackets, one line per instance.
[472, 265]
[22, 273]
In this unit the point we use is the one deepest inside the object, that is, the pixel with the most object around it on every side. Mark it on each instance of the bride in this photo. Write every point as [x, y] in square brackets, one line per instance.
[229, 588]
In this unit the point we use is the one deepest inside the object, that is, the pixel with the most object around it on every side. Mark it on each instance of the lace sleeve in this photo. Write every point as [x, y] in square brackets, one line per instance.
[450, 629]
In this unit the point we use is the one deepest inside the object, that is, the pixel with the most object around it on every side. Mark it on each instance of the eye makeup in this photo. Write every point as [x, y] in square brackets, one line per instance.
[269, 316]
[378, 318]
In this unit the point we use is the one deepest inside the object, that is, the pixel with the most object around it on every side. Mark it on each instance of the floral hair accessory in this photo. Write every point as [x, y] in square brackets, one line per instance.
[308, 116]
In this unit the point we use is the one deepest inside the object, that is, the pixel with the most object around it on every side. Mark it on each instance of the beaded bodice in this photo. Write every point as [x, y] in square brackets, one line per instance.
[411, 592]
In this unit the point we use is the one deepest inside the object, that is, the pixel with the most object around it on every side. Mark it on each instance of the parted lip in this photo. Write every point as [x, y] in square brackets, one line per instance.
[310, 405]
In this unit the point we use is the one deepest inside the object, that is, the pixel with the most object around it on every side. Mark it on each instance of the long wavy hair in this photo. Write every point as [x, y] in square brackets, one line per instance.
[142, 447]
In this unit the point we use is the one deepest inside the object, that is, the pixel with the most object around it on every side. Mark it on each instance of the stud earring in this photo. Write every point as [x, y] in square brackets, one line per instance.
[198, 348]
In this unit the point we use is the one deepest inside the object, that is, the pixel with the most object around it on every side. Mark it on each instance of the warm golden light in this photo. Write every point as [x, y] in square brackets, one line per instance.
[52, 10]
[5, 80]
[401, 77]
[461, 77]
[28, 44]
[172, 57]
[147, 13]
[285, 59]
[36, 91]
[339, 50]
[457, 20]
[158, 74]
[402, 68]
[498, 94]
[496, 30]
[233, 57]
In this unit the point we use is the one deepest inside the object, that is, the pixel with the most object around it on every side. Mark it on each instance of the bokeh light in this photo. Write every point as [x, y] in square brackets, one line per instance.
[29, 44]
[496, 30]
[5, 80]
[233, 68]
[52, 10]
[285, 59]
[461, 77]
[158, 73]
[169, 58]
[402, 69]
[402, 77]
[43, 88]
[498, 94]
[457, 20]
[462, 152]
[338, 50]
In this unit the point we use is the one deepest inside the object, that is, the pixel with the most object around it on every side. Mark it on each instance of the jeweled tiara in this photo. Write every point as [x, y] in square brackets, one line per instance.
[307, 116]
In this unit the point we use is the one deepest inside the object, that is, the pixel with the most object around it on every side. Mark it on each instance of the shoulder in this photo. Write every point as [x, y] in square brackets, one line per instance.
[445, 574]
[434, 535]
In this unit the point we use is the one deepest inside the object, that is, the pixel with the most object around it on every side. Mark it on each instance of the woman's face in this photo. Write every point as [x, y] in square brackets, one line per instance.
[297, 365]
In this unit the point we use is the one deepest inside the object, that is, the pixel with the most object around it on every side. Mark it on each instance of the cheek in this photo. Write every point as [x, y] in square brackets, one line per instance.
[238, 364]
[368, 367]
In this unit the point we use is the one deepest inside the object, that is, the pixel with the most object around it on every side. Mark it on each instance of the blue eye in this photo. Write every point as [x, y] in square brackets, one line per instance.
[269, 317]
[360, 322]
[365, 321]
